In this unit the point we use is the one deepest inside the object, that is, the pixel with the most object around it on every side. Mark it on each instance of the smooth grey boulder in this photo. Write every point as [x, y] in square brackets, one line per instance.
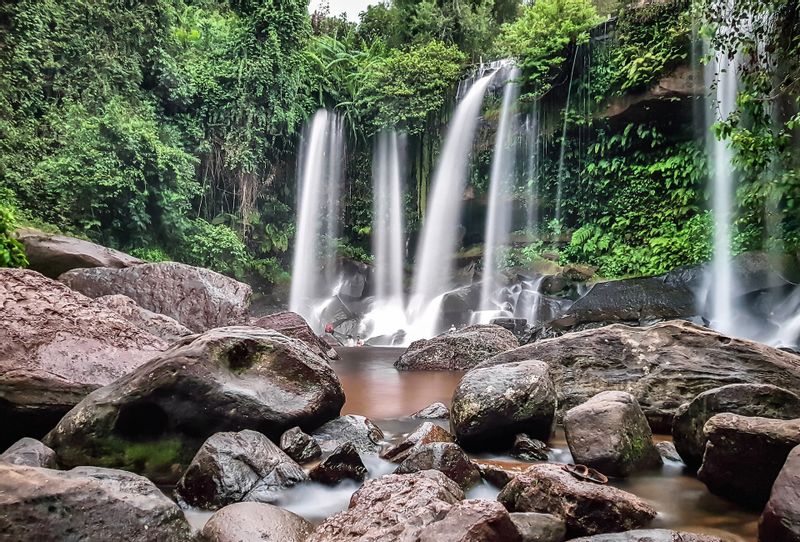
[457, 350]
[473, 520]
[358, 430]
[30, 452]
[780, 521]
[445, 457]
[534, 527]
[255, 522]
[668, 451]
[434, 411]
[343, 464]
[300, 446]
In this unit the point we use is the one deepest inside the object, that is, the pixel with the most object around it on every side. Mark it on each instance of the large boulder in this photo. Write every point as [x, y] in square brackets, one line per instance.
[293, 325]
[30, 453]
[780, 521]
[86, 503]
[358, 430]
[492, 405]
[227, 379]
[56, 346]
[234, 467]
[586, 508]
[663, 366]
[760, 400]
[343, 464]
[473, 520]
[163, 327]
[650, 535]
[457, 350]
[51, 255]
[535, 527]
[610, 433]
[445, 457]
[198, 298]
[392, 507]
[744, 456]
[255, 522]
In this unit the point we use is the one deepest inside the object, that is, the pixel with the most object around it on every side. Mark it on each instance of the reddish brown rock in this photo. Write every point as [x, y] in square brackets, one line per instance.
[473, 521]
[163, 327]
[293, 325]
[650, 535]
[780, 521]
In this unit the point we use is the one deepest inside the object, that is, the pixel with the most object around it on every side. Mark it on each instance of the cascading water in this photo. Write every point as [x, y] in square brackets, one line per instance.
[562, 151]
[318, 217]
[532, 168]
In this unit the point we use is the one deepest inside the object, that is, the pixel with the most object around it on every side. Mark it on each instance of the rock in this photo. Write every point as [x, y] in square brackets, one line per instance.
[198, 298]
[86, 503]
[760, 400]
[650, 535]
[491, 406]
[255, 522]
[586, 508]
[56, 346]
[154, 419]
[360, 431]
[517, 326]
[529, 449]
[534, 527]
[473, 521]
[424, 434]
[435, 411]
[233, 467]
[610, 433]
[51, 255]
[164, 327]
[662, 366]
[744, 456]
[300, 446]
[293, 325]
[445, 457]
[392, 507]
[457, 350]
[30, 452]
[668, 451]
[496, 475]
[780, 521]
[343, 464]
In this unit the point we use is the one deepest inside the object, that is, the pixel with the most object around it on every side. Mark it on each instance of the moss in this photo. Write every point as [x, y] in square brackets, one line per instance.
[151, 457]
[635, 449]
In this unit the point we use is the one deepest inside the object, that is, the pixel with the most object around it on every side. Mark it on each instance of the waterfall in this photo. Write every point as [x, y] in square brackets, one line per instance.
[498, 223]
[318, 219]
[562, 152]
[532, 168]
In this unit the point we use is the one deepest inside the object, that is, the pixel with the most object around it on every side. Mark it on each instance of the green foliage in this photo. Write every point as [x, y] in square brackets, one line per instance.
[12, 253]
[151, 254]
[215, 247]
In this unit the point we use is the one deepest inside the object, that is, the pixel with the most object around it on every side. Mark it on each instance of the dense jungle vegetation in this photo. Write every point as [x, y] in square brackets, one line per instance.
[170, 128]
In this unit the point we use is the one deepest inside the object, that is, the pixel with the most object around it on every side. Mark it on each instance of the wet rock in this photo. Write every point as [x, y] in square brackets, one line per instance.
[668, 451]
[343, 464]
[164, 327]
[232, 467]
[30, 452]
[518, 326]
[491, 406]
[457, 350]
[744, 456]
[358, 430]
[445, 457]
[610, 433]
[586, 508]
[293, 325]
[529, 449]
[392, 507]
[198, 298]
[435, 411]
[473, 521]
[154, 419]
[424, 434]
[496, 475]
[51, 255]
[300, 446]
[663, 366]
[86, 503]
[56, 346]
[760, 400]
[650, 535]
[534, 527]
[255, 522]
[780, 521]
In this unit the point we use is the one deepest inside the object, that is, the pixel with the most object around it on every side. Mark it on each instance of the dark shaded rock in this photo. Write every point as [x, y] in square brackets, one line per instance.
[650, 535]
[392, 507]
[424, 434]
[293, 325]
[668, 451]
[517, 326]
[56, 346]
[491, 406]
[610, 433]
[663, 366]
[457, 350]
[760, 400]
[744, 456]
[30, 452]
[163, 327]
[529, 449]
[496, 475]
[51, 254]
[473, 521]
[435, 411]
[358, 430]
[445, 457]
[585, 507]
[534, 527]
[155, 418]
[255, 522]
[86, 503]
[233, 467]
[780, 521]
[198, 298]
[300, 446]
[343, 464]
